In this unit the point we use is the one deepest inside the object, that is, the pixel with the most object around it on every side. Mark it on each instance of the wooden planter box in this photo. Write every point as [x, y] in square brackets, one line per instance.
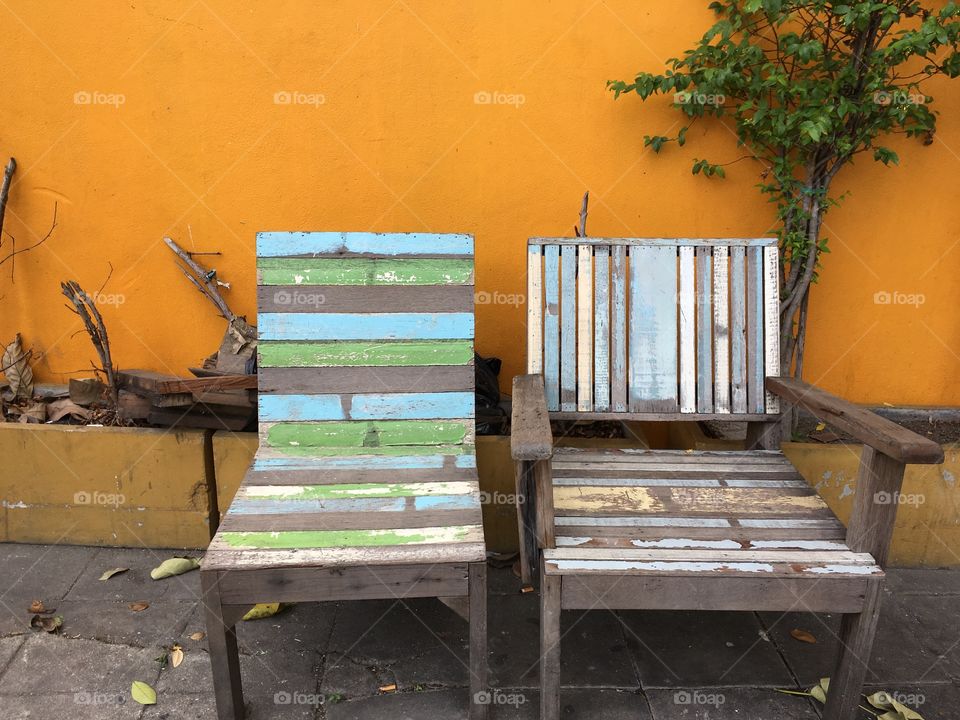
[134, 487]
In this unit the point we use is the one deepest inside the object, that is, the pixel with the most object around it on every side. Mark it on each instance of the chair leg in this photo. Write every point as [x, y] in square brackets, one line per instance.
[856, 641]
[549, 646]
[479, 686]
[224, 657]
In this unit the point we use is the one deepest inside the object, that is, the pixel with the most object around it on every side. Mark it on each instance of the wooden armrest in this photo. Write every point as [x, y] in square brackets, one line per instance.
[530, 437]
[869, 428]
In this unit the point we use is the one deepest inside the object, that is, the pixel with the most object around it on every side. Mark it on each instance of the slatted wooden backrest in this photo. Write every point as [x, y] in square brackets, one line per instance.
[654, 328]
[366, 344]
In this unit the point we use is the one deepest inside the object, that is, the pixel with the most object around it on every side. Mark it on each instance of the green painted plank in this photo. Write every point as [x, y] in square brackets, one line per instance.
[363, 271]
[367, 434]
[301, 539]
[356, 354]
[356, 490]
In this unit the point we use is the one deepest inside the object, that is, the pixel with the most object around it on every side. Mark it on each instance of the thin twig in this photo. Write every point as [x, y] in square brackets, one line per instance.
[204, 280]
[39, 242]
[5, 188]
[582, 230]
[86, 308]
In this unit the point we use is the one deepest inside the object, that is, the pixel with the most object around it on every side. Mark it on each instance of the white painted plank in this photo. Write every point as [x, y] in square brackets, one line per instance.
[771, 320]
[688, 337]
[704, 332]
[653, 383]
[738, 330]
[584, 328]
[551, 326]
[618, 328]
[635, 521]
[568, 328]
[601, 329]
[721, 332]
[534, 311]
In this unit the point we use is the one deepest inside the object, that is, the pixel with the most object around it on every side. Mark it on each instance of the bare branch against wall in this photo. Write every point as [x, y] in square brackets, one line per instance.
[86, 307]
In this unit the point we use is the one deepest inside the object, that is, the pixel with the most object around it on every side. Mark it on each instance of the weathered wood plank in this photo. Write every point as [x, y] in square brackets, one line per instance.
[363, 379]
[584, 328]
[867, 427]
[365, 326]
[568, 328]
[677, 242]
[325, 491]
[364, 298]
[653, 329]
[551, 326]
[530, 434]
[601, 324]
[618, 321]
[704, 331]
[534, 311]
[333, 539]
[738, 330]
[771, 321]
[550, 605]
[379, 354]
[785, 594]
[281, 244]
[348, 520]
[367, 406]
[755, 331]
[688, 342]
[478, 640]
[363, 271]
[721, 331]
[371, 435]
[225, 557]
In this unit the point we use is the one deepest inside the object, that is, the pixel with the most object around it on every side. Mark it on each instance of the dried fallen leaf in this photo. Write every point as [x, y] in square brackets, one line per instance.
[50, 623]
[107, 574]
[819, 691]
[821, 426]
[898, 711]
[138, 606]
[176, 655]
[174, 566]
[34, 412]
[198, 636]
[392, 687]
[262, 610]
[16, 368]
[803, 636]
[143, 693]
[37, 606]
[59, 409]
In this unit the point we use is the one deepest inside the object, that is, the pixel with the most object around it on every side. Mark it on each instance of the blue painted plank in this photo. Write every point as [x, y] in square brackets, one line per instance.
[255, 506]
[364, 326]
[280, 244]
[652, 379]
[394, 462]
[551, 326]
[568, 328]
[393, 406]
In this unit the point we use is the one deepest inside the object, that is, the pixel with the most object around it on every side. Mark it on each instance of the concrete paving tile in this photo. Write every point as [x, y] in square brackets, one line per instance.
[923, 581]
[203, 706]
[728, 703]
[419, 641]
[115, 622]
[36, 572]
[50, 664]
[136, 583]
[8, 648]
[502, 581]
[909, 640]
[101, 706]
[446, 704]
[575, 704]
[678, 649]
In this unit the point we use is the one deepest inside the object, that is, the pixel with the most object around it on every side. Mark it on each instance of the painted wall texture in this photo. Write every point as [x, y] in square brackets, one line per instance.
[208, 120]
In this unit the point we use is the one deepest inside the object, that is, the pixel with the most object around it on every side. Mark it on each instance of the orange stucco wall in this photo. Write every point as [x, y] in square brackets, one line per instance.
[177, 130]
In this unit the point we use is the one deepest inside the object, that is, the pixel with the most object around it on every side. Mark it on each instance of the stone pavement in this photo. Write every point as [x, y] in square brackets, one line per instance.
[329, 661]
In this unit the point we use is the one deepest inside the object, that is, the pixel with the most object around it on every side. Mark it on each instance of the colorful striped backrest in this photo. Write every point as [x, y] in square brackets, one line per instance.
[654, 328]
[366, 345]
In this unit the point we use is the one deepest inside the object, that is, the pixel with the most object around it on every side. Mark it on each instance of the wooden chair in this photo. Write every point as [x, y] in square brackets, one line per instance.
[674, 330]
[365, 484]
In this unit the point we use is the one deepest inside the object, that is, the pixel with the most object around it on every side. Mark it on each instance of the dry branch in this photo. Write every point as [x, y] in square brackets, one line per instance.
[86, 307]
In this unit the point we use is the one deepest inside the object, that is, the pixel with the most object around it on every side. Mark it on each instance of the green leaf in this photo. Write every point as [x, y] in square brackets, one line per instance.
[143, 693]
[107, 574]
[262, 610]
[819, 691]
[174, 566]
[752, 5]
